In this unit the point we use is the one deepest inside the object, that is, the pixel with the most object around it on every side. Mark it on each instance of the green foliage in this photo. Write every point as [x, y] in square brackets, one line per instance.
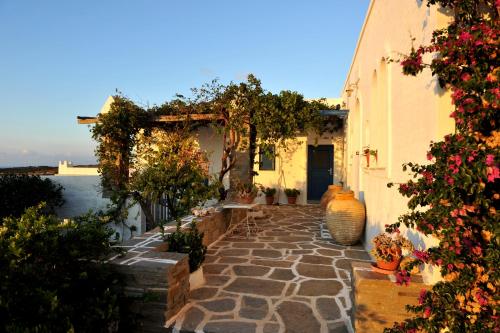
[188, 241]
[117, 134]
[18, 192]
[172, 171]
[53, 278]
[292, 192]
[268, 191]
[455, 197]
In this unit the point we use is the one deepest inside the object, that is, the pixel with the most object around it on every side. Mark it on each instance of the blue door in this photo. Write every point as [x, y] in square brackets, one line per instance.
[319, 170]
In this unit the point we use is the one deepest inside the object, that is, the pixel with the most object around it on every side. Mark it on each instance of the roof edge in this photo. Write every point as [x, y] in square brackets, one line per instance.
[361, 34]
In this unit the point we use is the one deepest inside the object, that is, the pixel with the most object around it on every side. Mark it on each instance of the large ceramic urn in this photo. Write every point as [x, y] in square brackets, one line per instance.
[345, 218]
[329, 194]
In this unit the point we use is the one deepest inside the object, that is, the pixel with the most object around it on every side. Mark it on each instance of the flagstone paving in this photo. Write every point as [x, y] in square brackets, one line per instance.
[287, 278]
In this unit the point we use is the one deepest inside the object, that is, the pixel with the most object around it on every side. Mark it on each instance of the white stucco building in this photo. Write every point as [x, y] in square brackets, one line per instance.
[395, 115]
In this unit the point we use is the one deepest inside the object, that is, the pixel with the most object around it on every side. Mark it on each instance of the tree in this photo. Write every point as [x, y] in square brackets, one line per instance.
[455, 197]
[243, 113]
[18, 192]
[171, 170]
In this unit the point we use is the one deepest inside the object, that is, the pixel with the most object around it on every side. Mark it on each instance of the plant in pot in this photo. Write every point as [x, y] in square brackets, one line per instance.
[269, 192]
[388, 250]
[291, 194]
[245, 192]
[190, 241]
[367, 152]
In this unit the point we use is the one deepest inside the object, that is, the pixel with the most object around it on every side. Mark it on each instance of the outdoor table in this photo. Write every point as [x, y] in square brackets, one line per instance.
[250, 225]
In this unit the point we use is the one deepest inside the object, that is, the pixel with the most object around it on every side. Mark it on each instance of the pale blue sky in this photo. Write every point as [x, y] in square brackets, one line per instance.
[60, 59]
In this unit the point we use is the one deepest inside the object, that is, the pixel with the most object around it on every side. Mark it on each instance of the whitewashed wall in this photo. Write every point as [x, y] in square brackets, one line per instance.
[83, 193]
[291, 166]
[394, 114]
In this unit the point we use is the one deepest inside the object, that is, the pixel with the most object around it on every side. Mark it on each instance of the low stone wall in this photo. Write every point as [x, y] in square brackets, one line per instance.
[216, 224]
[157, 282]
[377, 301]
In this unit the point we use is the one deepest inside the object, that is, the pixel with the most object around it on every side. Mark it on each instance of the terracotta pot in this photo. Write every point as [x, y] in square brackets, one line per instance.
[292, 200]
[329, 195]
[245, 200]
[388, 266]
[345, 218]
[270, 199]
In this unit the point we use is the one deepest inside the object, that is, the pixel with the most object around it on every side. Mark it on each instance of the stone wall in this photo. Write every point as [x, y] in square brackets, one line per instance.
[377, 301]
[216, 224]
[157, 282]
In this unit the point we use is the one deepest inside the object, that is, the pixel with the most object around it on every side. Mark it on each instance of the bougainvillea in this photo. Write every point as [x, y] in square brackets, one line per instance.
[455, 197]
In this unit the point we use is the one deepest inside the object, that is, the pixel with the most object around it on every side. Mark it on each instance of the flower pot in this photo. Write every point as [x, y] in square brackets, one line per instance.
[292, 200]
[345, 218]
[196, 279]
[329, 195]
[245, 200]
[388, 266]
[269, 199]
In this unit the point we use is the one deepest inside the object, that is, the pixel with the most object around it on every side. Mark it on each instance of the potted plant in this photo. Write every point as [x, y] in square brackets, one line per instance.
[269, 192]
[367, 152]
[388, 250]
[245, 192]
[190, 241]
[291, 194]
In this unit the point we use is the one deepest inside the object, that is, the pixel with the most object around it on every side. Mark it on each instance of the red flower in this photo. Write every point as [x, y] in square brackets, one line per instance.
[490, 159]
[465, 36]
[421, 297]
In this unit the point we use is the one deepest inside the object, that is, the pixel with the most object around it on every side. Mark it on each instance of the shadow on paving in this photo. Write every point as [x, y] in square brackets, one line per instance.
[285, 278]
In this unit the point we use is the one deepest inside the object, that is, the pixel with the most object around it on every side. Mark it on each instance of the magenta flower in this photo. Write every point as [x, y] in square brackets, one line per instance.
[490, 159]
[493, 173]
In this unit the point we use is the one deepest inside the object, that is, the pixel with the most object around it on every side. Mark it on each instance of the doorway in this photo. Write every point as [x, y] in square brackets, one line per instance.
[319, 170]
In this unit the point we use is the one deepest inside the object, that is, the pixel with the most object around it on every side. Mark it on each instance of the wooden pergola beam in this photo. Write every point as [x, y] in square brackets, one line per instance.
[161, 119]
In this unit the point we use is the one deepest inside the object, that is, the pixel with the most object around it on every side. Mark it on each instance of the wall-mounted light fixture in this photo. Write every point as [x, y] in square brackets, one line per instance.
[351, 87]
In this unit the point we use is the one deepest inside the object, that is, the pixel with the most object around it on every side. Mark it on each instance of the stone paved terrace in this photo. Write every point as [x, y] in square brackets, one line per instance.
[286, 278]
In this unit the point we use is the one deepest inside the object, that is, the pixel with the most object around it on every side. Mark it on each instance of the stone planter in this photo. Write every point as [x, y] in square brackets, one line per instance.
[329, 195]
[345, 218]
[196, 279]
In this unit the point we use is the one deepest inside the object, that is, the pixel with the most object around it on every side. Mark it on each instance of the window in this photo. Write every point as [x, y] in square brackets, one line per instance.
[267, 157]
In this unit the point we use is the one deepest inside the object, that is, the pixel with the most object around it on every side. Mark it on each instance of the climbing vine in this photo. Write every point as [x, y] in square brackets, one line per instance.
[455, 197]
[243, 113]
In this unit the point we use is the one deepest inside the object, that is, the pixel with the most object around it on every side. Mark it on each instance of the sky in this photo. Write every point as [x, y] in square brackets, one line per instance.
[61, 59]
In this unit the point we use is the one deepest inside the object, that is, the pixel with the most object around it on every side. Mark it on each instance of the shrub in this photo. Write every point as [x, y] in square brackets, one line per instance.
[191, 242]
[53, 277]
[292, 192]
[269, 191]
[18, 192]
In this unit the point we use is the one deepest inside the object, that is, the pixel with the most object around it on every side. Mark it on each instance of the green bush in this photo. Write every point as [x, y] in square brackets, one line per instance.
[53, 278]
[190, 242]
[292, 192]
[18, 192]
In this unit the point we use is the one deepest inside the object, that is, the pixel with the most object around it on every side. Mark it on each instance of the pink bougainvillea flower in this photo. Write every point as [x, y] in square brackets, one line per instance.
[421, 255]
[465, 77]
[427, 312]
[490, 159]
[493, 173]
[421, 297]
